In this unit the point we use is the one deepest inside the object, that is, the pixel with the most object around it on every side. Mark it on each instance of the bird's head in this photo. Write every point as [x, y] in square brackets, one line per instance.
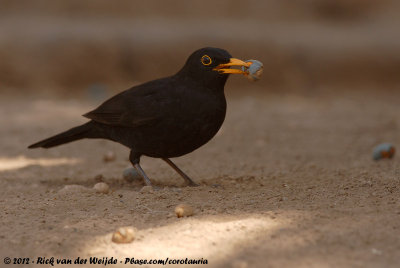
[211, 66]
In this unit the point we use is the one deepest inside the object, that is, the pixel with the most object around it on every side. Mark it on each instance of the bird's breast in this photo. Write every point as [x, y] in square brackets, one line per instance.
[193, 121]
[201, 121]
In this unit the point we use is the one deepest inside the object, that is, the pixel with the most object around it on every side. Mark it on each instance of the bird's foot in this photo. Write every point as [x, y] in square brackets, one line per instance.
[192, 184]
[188, 180]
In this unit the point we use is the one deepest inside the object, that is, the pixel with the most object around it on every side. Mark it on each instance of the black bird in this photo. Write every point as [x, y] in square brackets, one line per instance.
[163, 118]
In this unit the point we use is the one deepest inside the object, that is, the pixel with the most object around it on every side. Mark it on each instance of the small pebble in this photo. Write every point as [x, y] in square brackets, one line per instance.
[109, 157]
[124, 235]
[130, 174]
[384, 150]
[376, 251]
[101, 187]
[146, 189]
[254, 71]
[183, 210]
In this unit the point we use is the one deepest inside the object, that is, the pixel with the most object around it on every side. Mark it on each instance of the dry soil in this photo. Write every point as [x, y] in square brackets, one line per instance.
[289, 181]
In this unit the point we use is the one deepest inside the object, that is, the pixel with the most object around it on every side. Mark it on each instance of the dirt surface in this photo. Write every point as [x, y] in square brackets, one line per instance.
[289, 181]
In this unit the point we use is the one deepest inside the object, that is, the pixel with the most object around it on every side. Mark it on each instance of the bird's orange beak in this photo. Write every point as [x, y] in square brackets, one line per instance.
[225, 67]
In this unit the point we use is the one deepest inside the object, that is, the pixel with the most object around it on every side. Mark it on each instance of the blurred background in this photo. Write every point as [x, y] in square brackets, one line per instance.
[81, 47]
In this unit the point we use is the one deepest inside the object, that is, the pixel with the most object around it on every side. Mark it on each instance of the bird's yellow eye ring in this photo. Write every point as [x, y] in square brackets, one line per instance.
[206, 60]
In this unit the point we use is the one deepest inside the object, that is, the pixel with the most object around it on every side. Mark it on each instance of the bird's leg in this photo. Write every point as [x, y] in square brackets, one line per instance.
[141, 172]
[135, 159]
[180, 172]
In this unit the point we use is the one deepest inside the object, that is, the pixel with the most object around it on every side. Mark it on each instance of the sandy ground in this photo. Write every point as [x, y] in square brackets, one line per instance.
[288, 182]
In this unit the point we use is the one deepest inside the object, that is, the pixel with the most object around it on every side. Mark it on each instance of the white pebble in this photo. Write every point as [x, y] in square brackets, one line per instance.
[109, 157]
[183, 210]
[101, 187]
[124, 235]
[146, 189]
[376, 251]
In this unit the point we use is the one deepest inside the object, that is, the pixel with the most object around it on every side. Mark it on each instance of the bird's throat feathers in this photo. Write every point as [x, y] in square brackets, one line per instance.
[211, 80]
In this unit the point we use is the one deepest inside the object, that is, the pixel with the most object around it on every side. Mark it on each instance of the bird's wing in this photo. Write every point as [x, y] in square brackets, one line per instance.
[131, 108]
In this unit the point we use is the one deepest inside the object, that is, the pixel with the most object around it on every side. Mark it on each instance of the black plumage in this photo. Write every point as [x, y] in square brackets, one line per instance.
[163, 118]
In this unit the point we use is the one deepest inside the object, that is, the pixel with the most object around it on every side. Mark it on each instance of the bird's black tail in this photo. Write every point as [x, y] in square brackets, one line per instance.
[73, 134]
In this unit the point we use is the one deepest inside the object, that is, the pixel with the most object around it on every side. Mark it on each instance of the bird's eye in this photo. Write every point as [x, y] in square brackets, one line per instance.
[206, 60]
